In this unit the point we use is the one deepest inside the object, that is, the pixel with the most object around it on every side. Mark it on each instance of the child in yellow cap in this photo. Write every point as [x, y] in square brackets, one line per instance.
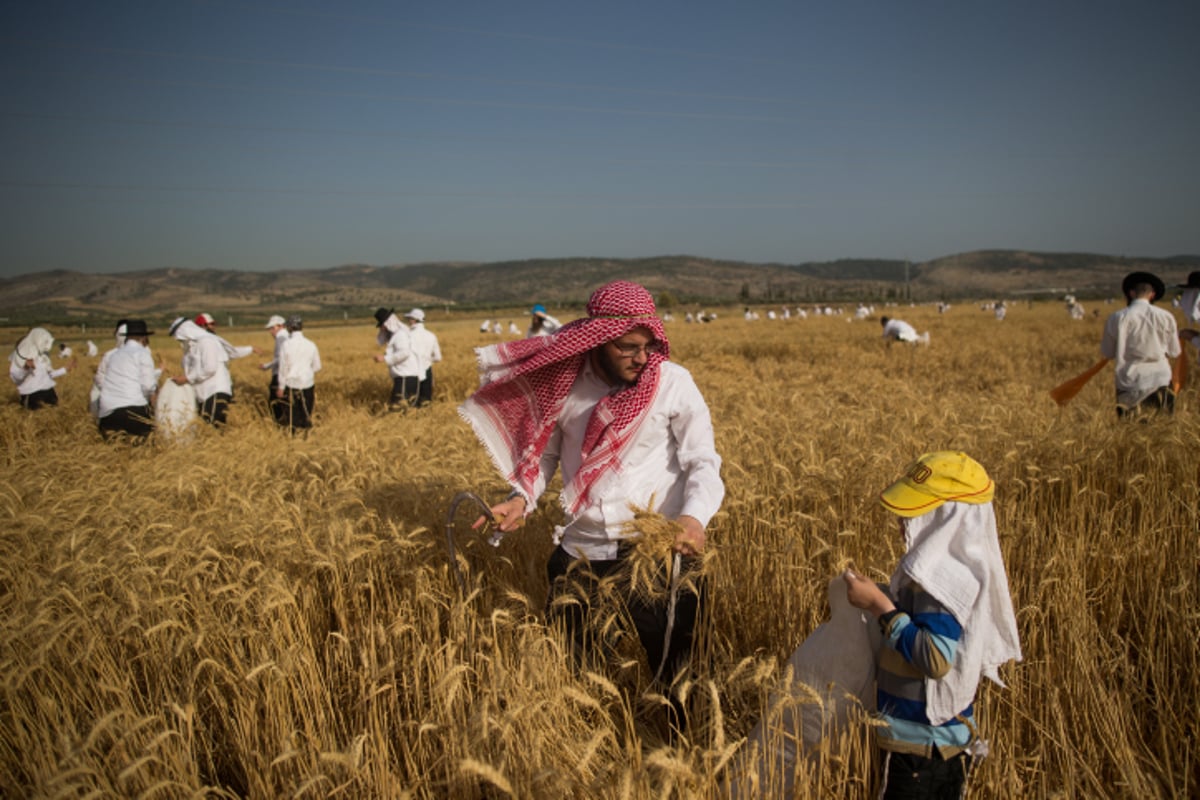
[947, 619]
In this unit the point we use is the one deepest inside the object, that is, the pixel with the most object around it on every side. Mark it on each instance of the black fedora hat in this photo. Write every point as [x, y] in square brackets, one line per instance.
[381, 316]
[136, 327]
[1193, 281]
[1134, 278]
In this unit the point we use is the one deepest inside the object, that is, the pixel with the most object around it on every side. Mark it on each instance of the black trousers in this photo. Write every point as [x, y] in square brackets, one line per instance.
[136, 421]
[405, 391]
[425, 391]
[275, 405]
[296, 407]
[214, 409]
[577, 582]
[912, 777]
[1161, 400]
[35, 400]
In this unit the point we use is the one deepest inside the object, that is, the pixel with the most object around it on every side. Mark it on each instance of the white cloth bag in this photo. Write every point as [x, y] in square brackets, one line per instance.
[831, 672]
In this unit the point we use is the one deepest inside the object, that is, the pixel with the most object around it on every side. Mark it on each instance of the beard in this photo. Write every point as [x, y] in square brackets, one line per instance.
[610, 368]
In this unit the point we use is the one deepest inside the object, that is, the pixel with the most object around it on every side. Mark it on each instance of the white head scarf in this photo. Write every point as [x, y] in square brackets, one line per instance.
[119, 334]
[34, 345]
[954, 553]
[388, 329]
[187, 332]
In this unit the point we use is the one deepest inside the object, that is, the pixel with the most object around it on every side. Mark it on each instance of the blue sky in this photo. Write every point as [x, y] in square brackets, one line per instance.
[281, 134]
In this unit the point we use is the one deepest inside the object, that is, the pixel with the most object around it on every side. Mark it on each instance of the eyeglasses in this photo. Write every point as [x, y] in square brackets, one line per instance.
[630, 350]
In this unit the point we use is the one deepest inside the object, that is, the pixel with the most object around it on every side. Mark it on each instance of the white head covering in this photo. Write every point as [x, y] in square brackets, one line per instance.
[119, 334]
[388, 328]
[187, 331]
[36, 345]
[954, 553]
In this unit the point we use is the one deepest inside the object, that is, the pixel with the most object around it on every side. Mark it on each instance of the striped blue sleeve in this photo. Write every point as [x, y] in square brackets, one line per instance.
[928, 638]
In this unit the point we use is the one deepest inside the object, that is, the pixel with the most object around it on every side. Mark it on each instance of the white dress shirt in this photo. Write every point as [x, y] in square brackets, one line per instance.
[899, 330]
[102, 367]
[130, 379]
[206, 366]
[37, 379]
[399, 355]
[1140, 338]
[234, 351]
[425, 347]
[1191, 305]
[672, 460]
[299, 362]
[281, 336]
[549, 326]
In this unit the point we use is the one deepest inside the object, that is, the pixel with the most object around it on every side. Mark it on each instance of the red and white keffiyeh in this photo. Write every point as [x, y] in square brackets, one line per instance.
[523, 385]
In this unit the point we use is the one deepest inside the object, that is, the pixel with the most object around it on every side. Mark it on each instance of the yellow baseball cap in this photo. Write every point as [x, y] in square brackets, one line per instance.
[935, 478]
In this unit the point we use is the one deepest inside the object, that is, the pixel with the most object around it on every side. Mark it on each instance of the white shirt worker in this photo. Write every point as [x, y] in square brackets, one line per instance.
[900, 331]
[130, 379]
[1140, 338]
[399, 354]
[299, 362]
[671, 459]
[424, 343]
[206, 366]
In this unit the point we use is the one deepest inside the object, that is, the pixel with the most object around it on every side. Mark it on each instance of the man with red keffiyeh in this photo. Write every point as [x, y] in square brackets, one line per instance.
[629, 429]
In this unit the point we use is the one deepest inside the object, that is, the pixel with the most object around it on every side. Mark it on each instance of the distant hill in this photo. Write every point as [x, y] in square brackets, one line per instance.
[62, 296]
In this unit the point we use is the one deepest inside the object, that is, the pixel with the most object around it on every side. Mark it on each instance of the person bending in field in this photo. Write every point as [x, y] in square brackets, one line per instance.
[205, 368]
[1141, 338]
[129, 386]
[629, 428]
[947, 619]
[30, 369]
[897, 330]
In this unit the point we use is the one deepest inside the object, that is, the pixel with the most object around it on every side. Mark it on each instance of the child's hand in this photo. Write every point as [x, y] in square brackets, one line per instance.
[863, 593]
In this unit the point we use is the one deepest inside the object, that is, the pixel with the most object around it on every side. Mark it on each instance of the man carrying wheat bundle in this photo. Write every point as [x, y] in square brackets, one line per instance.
[600, 399]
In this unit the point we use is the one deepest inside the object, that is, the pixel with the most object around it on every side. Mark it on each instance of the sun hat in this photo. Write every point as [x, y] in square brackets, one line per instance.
[538, 309]
[1134, 278]
[274, 321]
[381, 316]
[136, 327]
[416, 314]
[936, 478]
[175, 325]
[204, 319]
[1193, 281]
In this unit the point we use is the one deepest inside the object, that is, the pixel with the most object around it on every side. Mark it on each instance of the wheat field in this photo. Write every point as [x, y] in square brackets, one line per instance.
[250, 614]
